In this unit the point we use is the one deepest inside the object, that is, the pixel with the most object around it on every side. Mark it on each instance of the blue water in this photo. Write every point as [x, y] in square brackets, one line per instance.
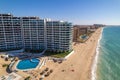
[84, 36]
[109, 54]
[28, 64]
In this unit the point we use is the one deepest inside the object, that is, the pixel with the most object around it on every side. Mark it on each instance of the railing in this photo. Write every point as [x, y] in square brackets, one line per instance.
[11, 65]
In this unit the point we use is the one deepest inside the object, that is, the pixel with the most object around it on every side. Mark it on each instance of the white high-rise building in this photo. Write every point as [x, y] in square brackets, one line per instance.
[32, 33]
[10, 32]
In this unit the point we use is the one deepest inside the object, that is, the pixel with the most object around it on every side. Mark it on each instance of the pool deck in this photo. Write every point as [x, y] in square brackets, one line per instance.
[15, 66]
[25, 73]
[33, 71]
[13, 76]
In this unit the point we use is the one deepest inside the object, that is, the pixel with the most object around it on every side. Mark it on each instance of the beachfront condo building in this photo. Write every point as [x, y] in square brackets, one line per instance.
[33, 33]
[10, 32]
[59, 35]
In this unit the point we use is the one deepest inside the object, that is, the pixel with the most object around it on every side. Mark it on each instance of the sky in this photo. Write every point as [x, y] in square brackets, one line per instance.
[83, 12]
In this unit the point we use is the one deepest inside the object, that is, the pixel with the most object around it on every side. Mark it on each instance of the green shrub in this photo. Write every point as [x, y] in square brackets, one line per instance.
[4, 65]
[27, 78]
[57, 54]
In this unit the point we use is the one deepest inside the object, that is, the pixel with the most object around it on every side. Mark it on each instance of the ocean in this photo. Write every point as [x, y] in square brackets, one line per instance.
[108, 57]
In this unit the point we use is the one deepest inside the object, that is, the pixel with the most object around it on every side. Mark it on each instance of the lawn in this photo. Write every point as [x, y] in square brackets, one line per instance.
[57, 54]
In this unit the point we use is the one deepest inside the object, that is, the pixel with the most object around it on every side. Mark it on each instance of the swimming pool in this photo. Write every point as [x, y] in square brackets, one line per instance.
[28, 64]
[84, 37]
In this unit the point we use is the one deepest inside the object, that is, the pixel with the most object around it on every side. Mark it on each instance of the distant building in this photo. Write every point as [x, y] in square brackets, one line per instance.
[79, 30]
[99, 25]
[84, 29]
[32, 33]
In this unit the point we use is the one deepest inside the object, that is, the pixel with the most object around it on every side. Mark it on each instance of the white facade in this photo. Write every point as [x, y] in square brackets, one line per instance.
[10, 32]
[32, 33]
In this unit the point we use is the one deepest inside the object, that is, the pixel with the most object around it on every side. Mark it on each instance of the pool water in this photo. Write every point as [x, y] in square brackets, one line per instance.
[28, 64]
[84, 36]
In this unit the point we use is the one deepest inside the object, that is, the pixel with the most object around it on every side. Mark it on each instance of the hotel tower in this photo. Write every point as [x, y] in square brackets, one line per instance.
[33, 33]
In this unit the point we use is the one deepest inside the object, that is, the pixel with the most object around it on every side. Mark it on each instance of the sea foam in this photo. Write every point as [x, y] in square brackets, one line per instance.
[94, 66]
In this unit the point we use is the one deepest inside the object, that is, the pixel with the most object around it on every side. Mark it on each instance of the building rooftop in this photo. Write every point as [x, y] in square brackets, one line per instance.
[7, 15]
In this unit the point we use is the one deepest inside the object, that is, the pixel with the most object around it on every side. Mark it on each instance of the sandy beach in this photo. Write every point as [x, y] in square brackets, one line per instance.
[78, 65]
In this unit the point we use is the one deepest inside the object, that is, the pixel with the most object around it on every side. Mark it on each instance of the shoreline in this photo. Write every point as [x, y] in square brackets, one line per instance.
[94, 65]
